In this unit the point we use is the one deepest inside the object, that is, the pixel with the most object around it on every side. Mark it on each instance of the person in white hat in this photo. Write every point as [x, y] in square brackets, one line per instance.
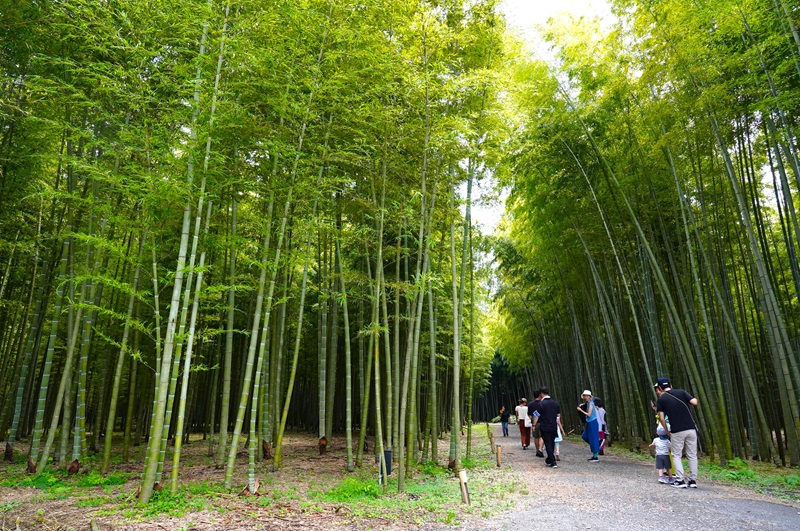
[590, 431]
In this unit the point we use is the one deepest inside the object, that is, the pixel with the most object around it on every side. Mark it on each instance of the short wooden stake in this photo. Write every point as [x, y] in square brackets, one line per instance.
[499, 452]
[462, 477]
[491, 442]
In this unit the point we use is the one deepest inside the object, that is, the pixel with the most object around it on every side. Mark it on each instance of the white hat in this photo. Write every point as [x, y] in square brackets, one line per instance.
[586, 392]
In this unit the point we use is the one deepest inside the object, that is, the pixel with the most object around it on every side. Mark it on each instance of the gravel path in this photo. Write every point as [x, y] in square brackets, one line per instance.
[619, 493]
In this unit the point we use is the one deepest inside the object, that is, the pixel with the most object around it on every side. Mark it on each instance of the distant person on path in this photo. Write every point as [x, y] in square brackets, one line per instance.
[548, 420]
[664, 467]
[674, 404]
[523, 420]
[601, 422]
[591, 431]
[504, 416]
[533, 407]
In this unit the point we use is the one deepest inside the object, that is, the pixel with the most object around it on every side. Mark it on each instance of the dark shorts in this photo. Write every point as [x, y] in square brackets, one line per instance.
[663, 463]
[537, 433]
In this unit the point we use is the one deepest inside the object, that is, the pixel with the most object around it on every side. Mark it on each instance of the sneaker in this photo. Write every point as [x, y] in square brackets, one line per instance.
[671, 480]
[663, 480]
[593, 460]
[558, 458]
[679, 484]
[539, 454]
[692, 484]
[553, 465]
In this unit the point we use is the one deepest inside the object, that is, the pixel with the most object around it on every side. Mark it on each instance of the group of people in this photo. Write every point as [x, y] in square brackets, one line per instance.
[676, 430]
[540, 419]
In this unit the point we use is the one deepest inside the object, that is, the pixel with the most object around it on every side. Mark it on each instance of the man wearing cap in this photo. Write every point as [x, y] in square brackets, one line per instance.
[682, 430]
[548, 420]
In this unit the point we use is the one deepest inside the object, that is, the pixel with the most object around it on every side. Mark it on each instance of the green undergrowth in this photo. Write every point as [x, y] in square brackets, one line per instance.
[54, 480]
[164, 503]
[431, 494]
[765, 478]
[192, 497]
[93, 490]
[86, 490]
[761, 477]
[7, 506]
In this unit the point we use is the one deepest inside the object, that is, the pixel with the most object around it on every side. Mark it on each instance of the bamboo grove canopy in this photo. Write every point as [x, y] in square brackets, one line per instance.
[652, 228]
[231, 218]
[234, 218]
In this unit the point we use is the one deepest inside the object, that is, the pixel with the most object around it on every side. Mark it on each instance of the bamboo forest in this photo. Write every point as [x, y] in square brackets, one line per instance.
[224, 224]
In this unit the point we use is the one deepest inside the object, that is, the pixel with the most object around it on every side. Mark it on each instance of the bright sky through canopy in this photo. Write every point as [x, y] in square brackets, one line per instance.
[523, 17]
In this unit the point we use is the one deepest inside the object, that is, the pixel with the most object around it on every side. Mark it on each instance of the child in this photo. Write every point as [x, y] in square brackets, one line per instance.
[558, 439]
[601, 423]
[663, 464]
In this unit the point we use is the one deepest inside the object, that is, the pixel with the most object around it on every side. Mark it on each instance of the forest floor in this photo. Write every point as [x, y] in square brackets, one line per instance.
[315, 491]
[310, 491]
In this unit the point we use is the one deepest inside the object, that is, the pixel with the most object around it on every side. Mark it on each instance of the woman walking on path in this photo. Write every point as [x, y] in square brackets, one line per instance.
[591, 431]
[524, 423]
[504, 416]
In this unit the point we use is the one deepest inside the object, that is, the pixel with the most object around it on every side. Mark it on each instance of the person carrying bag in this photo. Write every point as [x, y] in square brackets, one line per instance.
[682, 430]
[524, 422]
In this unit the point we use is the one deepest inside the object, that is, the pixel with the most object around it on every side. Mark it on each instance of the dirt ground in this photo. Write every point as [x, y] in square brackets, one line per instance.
[286, 498]
[616, 493]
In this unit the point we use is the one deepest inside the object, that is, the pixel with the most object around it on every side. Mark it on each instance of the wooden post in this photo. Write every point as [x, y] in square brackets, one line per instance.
[498, 453]
[491, 442]
[462, 477]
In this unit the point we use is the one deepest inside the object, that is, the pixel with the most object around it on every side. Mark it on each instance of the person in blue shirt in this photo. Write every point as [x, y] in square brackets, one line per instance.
[591, 431]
